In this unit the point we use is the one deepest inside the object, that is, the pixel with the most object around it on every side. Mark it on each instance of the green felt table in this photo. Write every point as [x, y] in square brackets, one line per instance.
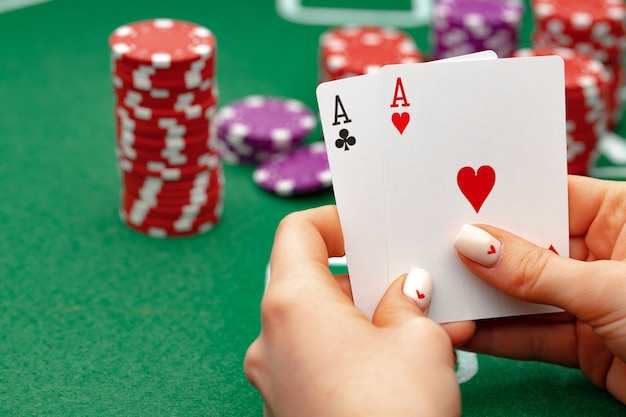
[96, 319]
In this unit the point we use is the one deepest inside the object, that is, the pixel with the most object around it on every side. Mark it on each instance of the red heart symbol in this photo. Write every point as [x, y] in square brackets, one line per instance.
[420, 295]
[400, 120]
[476, 186]
[553, 249]
[492, 250]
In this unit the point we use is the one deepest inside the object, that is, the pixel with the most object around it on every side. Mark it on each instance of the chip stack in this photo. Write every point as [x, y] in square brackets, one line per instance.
[593, 27]
[357, 50]
[165, 103]
[587, 84]
[466, 26]
[257, 128]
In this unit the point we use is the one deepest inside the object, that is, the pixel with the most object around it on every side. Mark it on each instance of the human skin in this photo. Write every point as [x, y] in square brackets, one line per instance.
[318, 355]
[590, 286]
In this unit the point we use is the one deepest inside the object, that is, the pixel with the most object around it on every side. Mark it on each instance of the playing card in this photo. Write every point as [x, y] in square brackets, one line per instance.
[350, 112]
[472, 142]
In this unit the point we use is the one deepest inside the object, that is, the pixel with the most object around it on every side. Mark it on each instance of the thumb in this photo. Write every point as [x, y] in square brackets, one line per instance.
[590, 290]
[416, 288]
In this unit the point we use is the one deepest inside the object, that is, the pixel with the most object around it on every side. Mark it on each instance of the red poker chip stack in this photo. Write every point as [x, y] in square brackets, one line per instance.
[166, 144]
[357, 50]
[593, 27]
[587, 87]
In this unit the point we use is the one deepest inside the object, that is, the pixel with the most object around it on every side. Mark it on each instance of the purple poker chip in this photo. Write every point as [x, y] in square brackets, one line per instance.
[272, 124]
[466, 26]
[302, 171]
[244, 154]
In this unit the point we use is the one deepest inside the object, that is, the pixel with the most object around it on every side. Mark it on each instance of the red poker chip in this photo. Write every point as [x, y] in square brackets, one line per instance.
[193, 154]
[206, 110]
[578, 168]
[174, 198]
[159, 231]
[169, 233]
[356, 50]
[206, 67]
[168, 99]
[164, 185]
[187, 81]
[192, 206]
[164, 127]
[172, 157]
[178, 224]
[159, 170]
[162, 43]
[600, 51]
[168, 141]
[207, 184]
[582, 15]
[141, 191]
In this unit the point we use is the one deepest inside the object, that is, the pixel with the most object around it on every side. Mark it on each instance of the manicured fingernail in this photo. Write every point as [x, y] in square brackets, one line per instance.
[418, 286]
[477, 245]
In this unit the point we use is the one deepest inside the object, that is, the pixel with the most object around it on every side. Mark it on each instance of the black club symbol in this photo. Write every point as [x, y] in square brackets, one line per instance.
[345, 140]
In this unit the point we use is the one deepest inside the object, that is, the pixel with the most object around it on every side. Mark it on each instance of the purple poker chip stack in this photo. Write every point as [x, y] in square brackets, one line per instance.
[302, 171]
[465, 26]
[257, 128]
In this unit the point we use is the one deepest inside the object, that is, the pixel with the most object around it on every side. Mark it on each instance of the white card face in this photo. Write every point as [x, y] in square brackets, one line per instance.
[353, 104]
[506, 116]
[349, 111]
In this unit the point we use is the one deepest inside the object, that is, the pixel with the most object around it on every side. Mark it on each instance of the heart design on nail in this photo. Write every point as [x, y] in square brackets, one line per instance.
[492, 250]
[400, 120]
[420, 295]
[476, 186]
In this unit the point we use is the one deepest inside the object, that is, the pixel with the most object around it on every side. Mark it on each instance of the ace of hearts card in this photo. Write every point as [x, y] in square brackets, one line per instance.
[472, 142]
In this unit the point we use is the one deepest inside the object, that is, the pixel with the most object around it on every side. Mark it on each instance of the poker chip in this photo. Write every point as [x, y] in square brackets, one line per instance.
[162, 43]
[257, 128]
[587, 87]
[466, 26]
[596, 28]
[302, 171]
[166, 98]
[355, 50]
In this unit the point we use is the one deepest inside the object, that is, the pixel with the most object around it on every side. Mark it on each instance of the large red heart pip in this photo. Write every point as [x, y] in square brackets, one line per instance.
[476, 186]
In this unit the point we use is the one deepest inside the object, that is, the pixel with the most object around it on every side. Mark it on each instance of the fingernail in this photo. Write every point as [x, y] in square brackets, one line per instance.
[418, 286]
[477, 245]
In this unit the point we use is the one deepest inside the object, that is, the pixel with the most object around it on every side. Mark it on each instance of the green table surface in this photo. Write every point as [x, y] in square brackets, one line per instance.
[96, 319]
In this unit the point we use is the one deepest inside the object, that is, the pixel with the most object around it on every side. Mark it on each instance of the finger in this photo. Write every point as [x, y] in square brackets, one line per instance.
[526, 338]
[615, 380]
[590, 290]
[459, 332]
[299, 260]
[304, 240]
[585, 199]
[406, 298]
[266, 411]
[302, 291]
[344, 283]
[402, 308]
[597, 214]
[410, 296]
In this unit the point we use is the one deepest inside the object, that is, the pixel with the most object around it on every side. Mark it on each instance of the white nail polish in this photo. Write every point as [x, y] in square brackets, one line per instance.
[477, 245]
[418, 286]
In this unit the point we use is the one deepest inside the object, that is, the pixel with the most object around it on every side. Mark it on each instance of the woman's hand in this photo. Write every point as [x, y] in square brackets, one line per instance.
[591, 288]
[318, 355]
